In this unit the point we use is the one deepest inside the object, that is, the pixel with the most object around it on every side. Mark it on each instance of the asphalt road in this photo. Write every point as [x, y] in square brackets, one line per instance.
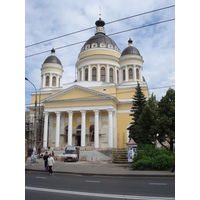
[39, 185]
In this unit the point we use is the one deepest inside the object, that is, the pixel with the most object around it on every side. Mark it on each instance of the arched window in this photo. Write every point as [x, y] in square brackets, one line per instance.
[86, 74]
[118, 76]
[54, 81]
[124, 75]
[103, 74]
[66, 134]
[111, 75]
[92, 133]
[130, 72]
[137, 73]
[94, 74]
[47, 80]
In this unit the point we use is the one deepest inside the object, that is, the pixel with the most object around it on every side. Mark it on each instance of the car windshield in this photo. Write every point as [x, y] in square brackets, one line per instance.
[70, 151]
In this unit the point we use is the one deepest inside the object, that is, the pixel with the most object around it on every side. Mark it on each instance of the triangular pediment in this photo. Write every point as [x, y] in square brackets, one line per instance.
[77, 93]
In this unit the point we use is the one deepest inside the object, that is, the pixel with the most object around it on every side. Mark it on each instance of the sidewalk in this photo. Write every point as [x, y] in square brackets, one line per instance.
[95, 168]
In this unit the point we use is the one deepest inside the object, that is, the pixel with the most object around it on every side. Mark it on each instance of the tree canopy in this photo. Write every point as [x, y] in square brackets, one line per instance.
[153, 120]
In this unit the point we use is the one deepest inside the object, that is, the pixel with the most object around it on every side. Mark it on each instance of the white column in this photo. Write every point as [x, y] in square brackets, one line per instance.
[78, 78]
[110, 128]
[89, 73]
[116, 74]
[107, 73]
[114, 136]
[134, 72]
[98, 72]
[70, 113]
[57, 143]
[96, 131]
[120, 75]
[140, 71]
[126, 70]
[43, 80]
[82, 74]
[57, 81]
[83, 113]
[50, 81]
[45, 129]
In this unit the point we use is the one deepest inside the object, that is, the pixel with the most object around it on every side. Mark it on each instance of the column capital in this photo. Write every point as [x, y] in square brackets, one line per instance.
[110, 110]
[70, 112]
[83, 111]
[57, 112]
[96, 112]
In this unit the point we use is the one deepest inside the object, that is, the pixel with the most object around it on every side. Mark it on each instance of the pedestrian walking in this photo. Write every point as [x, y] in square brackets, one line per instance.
[45, 158]
[50, 163]
[32, 159]
[52, 154]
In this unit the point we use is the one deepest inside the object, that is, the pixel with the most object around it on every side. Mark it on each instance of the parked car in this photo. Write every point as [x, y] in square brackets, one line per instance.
[71, 154]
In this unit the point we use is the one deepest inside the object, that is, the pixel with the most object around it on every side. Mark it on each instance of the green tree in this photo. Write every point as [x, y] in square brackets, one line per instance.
[139, 102]
[166, 120]
[146, 127]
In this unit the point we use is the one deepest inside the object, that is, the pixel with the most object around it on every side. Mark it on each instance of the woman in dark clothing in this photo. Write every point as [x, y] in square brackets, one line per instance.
[45, 159]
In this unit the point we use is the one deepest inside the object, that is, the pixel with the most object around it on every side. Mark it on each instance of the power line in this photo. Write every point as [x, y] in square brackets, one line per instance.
[107, 35]
[144, 13]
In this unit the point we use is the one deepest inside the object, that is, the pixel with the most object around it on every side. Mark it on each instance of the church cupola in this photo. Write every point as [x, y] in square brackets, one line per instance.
[100, 24]
[51, 72]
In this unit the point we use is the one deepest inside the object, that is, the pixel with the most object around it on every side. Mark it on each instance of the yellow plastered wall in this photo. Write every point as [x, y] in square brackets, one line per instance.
[107, 90]
[123, 122]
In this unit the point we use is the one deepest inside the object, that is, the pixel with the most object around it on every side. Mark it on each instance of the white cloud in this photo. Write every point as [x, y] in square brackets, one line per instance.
[47, 19]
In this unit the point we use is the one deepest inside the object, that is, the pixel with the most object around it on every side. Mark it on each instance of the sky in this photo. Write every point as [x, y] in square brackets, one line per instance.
[48, 19]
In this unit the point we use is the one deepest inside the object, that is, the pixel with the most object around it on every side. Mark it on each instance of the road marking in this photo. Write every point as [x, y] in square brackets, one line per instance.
[88, 181]
[157, 183]
[41, 177]
[115, 196]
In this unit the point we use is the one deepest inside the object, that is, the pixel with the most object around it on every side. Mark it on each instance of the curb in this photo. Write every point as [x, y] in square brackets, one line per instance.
[101, 174]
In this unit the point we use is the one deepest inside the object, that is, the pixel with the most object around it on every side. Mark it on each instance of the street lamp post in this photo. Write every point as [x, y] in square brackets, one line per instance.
[35, 122]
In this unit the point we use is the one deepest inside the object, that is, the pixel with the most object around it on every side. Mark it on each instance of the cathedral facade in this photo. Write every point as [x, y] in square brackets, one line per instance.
[94, 110]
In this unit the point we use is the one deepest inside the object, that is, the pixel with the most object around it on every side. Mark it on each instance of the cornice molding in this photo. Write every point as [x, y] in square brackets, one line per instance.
[97, 57]
[128, 57]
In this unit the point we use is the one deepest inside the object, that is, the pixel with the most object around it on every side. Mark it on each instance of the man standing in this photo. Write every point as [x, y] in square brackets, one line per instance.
[50, 163]
[45, 159]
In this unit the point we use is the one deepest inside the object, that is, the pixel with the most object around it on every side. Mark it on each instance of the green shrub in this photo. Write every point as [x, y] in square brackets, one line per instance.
[151, 158]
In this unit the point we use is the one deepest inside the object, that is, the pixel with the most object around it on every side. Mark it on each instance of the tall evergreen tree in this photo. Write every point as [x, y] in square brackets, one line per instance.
[139, 102]
[166, 120]
[146, 127]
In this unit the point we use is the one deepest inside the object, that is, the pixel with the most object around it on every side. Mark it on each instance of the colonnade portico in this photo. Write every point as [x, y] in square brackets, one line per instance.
[97, 126]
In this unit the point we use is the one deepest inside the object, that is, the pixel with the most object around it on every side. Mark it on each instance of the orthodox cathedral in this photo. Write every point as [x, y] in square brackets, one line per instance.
[94, 110]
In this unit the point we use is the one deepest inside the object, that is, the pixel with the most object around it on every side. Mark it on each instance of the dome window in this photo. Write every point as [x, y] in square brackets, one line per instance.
[118, 76]
[47, 81]
[110, 46]
[103, 74]
[86, 74]
[94, 45]
[94, 74]
[124, 75]
[130, 72]
[102, 45]
[87, 46]
[54, 81]
[111, 75]
[137, 73]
